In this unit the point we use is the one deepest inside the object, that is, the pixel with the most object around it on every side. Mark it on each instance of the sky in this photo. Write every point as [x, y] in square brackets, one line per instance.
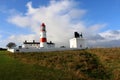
[98, 20]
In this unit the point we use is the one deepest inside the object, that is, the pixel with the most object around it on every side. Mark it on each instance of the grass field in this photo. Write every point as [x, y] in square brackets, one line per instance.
[91, 64]
[110, 57]
[13, 69]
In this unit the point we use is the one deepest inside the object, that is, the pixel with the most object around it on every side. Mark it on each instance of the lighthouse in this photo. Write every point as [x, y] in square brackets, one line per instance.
[43, 38]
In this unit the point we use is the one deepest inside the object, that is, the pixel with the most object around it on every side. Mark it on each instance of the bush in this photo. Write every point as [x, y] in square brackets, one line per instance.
[11, 45]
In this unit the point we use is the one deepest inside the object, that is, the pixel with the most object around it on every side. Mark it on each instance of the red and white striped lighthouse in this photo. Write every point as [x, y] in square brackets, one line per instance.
[43, 39]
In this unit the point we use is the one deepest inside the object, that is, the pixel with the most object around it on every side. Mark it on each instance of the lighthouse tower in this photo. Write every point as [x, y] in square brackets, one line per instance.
[43, 39]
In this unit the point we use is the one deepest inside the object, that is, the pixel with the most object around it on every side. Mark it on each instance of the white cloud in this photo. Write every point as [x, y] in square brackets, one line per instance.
[20, 21]
[62, 18]
[18, 39]
[21, 38]
[110, 38]
[111, 35]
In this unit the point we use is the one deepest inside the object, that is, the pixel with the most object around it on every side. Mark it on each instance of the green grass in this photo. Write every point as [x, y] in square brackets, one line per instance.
[12, 69]
[110, 57]
[91, 64]
[81, 64]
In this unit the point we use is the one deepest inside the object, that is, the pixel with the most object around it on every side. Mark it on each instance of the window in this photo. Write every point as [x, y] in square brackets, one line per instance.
[80, 45]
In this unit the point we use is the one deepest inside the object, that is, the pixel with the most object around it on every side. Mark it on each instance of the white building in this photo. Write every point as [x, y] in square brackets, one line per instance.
[31, 44]
[78, 41]
[34, 44]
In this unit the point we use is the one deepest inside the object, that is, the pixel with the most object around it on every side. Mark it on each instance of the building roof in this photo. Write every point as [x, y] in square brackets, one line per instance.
[50, 43]
[31, 42]
[37, 42]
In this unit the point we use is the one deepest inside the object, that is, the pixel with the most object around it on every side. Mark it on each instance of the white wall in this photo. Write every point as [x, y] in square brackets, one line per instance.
[31, 45]
[11, 50]
[73, 43]
[78, 43]
[40, 50]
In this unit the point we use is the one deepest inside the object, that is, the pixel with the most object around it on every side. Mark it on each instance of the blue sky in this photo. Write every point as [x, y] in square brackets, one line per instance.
[95, 17]
[104, 11]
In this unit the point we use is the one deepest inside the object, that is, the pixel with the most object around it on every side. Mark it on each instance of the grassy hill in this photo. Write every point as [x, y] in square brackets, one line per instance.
[91, 64]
